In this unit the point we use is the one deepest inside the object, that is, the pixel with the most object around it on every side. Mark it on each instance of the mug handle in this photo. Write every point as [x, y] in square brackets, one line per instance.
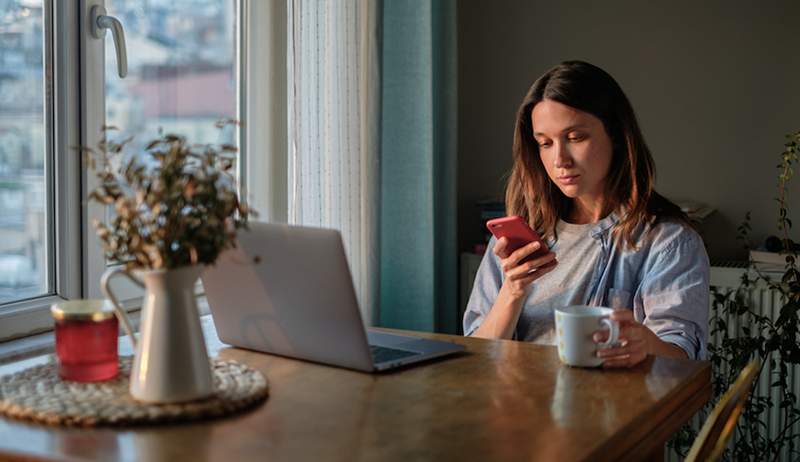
[613, 333]
[118, 309]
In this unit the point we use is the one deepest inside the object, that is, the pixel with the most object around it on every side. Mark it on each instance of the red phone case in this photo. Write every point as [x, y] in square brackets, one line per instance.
[516, 231]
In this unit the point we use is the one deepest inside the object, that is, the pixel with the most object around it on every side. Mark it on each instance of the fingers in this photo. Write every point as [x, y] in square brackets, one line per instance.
[528, 268]
[529, 277]
[631, 350]
[628, 327]
[524, 251]
[628, 332]
[500, 248]
[512, 259]
[624, 361]
[632, 346]
[626, 348]
[622, 316]
[521, 283]
[600, 336]
[518, 275]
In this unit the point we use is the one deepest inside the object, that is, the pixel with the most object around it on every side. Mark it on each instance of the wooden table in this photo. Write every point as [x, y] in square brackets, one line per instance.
[501, 400]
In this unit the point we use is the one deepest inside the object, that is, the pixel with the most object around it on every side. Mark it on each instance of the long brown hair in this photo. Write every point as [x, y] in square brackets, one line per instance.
[530, 192]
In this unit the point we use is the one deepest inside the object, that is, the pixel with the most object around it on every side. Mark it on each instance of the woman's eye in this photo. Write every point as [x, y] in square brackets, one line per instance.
[575, 138]
[544, 144]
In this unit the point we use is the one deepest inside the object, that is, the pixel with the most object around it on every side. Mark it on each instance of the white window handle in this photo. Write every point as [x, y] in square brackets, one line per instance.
[99, 22]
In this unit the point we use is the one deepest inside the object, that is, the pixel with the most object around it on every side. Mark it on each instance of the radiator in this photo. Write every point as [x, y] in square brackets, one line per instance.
[765, 302]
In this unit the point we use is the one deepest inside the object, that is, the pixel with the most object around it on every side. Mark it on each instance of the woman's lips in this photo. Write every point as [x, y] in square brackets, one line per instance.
[568, 179]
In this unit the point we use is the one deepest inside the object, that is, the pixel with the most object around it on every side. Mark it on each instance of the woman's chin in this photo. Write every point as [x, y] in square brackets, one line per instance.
[571, 191]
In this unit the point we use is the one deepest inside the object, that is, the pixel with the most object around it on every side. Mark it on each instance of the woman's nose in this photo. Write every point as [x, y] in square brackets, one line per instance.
[563, 159]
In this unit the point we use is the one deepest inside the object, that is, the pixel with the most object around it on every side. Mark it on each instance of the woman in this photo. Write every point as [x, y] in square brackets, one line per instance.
[583, 178]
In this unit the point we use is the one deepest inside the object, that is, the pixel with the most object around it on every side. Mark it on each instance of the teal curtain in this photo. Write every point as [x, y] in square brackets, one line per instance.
[418, 259]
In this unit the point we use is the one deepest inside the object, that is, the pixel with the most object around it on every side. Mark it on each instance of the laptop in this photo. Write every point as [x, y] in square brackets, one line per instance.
[287, 290]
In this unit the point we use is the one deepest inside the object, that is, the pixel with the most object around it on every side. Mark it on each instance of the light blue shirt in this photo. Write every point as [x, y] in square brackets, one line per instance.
[664, 281]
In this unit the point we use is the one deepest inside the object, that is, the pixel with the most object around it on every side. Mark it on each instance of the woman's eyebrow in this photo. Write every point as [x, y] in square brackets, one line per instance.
[568, 129]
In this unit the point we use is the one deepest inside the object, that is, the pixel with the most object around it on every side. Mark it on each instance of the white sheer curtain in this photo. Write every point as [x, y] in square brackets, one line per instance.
[334, 93]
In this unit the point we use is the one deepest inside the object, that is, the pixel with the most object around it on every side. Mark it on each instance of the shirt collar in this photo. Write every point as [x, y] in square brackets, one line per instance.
[605, 224]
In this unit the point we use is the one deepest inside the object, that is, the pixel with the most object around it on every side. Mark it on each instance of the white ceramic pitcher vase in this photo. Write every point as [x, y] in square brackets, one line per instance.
[171, 363]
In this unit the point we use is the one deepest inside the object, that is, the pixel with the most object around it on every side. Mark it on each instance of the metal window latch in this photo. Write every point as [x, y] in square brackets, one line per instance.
[99, 22]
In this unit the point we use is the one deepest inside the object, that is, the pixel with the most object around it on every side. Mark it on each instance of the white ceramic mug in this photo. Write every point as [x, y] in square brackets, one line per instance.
[574, 328]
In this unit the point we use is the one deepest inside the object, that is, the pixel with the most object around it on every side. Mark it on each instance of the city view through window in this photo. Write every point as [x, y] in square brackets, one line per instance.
[182, 62]
[23, 259]
[181, 68]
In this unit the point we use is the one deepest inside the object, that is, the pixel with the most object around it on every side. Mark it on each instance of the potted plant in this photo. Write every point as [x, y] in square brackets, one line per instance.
[773, 341]
[175, 209]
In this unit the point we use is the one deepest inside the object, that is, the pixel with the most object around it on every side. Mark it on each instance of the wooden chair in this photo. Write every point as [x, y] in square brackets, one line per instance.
[718, 429]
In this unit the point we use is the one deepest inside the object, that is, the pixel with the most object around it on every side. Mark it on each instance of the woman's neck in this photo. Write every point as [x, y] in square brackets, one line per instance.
[586, 211]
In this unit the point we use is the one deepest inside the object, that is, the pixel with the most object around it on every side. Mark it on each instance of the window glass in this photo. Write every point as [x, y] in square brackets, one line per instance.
[181, 69]
[23, 203]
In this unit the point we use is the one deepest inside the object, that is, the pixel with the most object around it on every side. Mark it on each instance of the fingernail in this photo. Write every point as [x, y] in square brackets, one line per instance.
[536, 245]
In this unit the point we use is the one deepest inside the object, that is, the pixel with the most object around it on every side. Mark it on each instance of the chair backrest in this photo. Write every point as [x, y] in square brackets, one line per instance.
[718, 429]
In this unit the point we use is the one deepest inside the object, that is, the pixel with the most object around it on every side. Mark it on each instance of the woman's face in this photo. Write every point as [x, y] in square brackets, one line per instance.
[574, 147]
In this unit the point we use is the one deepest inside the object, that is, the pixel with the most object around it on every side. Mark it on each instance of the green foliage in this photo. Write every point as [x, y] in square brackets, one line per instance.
[174, 205]
[773, 342]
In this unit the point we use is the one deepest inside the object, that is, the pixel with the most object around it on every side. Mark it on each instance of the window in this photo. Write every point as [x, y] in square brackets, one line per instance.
[182, 62]
[59, 86]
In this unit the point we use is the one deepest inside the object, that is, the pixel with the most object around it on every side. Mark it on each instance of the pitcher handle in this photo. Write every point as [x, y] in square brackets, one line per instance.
[118, 309]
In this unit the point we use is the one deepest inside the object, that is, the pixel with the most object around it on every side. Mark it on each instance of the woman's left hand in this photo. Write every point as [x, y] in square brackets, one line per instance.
[635, 341]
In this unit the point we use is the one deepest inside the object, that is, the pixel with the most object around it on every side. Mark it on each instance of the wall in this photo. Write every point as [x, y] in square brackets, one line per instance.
[714, 85]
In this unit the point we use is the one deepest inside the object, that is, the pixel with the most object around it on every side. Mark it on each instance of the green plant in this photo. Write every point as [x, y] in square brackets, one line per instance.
[772, 341]
[175, 204]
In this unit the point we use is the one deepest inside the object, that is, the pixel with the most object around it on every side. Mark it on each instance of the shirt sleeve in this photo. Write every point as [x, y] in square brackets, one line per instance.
[674, 293]
[488, 281]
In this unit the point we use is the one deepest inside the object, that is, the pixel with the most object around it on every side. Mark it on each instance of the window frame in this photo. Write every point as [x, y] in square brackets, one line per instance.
[93, 115]
[264, 77]
[62, 174]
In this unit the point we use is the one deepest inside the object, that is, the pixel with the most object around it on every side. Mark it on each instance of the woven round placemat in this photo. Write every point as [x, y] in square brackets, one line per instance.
[40, 395]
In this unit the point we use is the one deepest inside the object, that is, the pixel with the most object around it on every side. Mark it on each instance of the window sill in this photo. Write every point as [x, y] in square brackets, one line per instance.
[44, 343]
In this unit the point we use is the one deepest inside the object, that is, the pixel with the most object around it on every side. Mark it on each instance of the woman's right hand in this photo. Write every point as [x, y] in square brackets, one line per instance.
[502, 319]
[519, 276]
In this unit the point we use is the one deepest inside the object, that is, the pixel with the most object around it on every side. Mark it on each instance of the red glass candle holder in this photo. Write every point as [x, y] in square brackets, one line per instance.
[86, 340]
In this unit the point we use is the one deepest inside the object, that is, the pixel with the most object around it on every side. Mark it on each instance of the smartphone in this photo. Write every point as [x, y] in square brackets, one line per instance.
[518, 233]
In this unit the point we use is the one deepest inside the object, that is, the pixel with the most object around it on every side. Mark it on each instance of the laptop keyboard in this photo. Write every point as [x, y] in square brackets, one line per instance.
[382, 354]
